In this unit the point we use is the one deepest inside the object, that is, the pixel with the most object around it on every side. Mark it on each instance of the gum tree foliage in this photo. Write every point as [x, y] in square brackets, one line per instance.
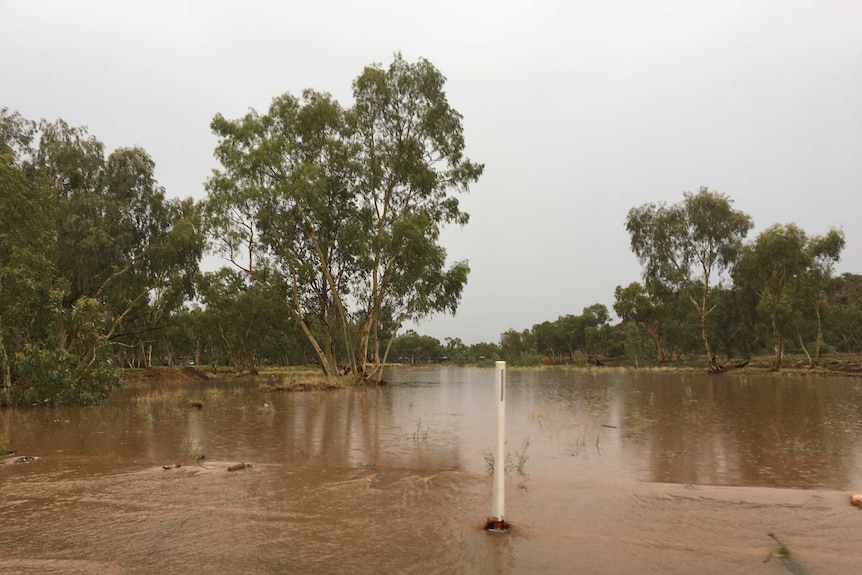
[244, 321]
[844, 325]
[484, 353]
[637, 305]
[734, 322]
[345, 207]
[455, 350]
[588, 334]
[686, 246]
[26, 221]
[410, 347]
[94, 253]
[519, 347]
[789, 273]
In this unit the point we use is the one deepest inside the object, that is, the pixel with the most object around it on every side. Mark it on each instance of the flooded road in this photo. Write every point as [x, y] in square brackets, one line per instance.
[611, 472]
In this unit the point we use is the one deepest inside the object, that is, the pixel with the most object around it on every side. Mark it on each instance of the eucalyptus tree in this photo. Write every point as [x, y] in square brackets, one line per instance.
[636, 304]
[282, 209]
[824, 252]
[112, 250]
[484, 353]
[519, 347]
[789, 273]
[844, 325]
[548, 340]
[411, 166]
[410, 347]
[687, 245]
[244, 320]
[456, 351]
[344, 206]
[26, 262]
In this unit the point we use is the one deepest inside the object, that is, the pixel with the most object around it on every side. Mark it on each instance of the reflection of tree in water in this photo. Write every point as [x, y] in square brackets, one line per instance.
[691, 428]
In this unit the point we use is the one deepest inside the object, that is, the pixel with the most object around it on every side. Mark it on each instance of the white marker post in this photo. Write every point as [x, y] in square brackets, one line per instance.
[498, 501]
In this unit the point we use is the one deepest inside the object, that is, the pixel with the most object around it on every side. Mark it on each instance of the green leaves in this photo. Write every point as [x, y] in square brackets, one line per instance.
[347, 205]
[686, 243]
[92, 256]
[789, 272]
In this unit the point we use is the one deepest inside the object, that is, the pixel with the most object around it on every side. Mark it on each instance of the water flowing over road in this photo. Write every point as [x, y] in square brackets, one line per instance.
[610, 472]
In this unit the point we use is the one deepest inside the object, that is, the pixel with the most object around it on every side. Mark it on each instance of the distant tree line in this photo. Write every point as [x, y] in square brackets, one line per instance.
[707, 292]
[330, 218]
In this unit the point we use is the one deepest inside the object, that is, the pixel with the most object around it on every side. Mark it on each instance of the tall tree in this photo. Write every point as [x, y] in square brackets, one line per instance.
[635, 304]
[411, 166]
[789, 273]
[844, 325]
[107, 248]
[284, 202]
[687, 245]
[26, 247]
[519, 347]
[347, 206]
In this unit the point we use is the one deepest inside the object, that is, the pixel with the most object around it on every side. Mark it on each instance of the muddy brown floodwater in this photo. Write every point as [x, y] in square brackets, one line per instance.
[620, 472]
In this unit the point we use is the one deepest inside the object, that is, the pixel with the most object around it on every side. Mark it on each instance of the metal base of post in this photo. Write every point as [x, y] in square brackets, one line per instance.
[496, 525]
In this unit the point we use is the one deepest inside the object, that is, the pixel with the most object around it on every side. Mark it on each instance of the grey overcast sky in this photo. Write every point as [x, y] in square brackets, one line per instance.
[580, 110]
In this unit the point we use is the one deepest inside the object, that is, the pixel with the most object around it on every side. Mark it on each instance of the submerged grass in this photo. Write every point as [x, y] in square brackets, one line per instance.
[160, 396]
[515, 462]
[783, 546]
[421, 434]
[190, 450]
[308, 382]
[214, 394]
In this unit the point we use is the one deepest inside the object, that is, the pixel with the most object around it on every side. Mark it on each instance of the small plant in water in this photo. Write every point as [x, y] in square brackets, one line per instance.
[521, 457]
[514, 462]
[190, 450]
[783, 546]
[4, 443]
[214, 394]
[420, 434]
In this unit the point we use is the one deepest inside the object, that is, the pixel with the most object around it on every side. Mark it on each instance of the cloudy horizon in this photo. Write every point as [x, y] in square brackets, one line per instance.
[579, 111]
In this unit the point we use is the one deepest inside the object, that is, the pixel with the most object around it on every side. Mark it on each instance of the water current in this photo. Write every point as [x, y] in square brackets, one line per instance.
[609, 472]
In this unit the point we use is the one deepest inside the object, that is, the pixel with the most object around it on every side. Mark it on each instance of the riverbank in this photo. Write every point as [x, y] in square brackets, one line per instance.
[273, 379]
[848, 365]
[302, 378]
